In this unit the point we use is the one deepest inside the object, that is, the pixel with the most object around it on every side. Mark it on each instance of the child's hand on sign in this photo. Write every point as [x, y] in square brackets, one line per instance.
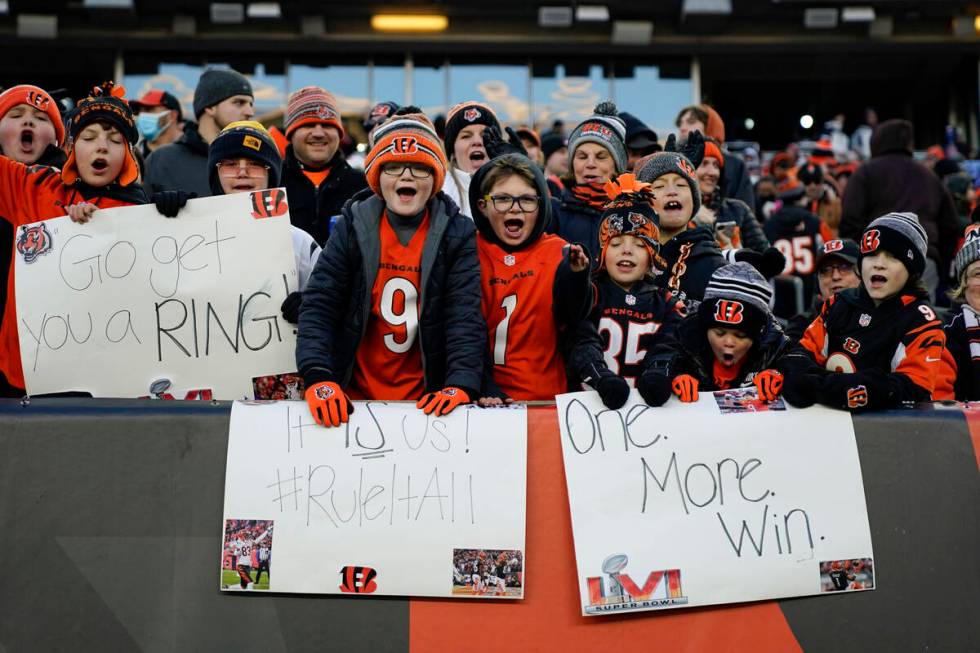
[81, 212]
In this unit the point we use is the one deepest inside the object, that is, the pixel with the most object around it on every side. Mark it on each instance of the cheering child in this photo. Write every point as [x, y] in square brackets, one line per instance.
[732, 341]
[878, 345]
[536, 291]
[631, 312]
[392, 310]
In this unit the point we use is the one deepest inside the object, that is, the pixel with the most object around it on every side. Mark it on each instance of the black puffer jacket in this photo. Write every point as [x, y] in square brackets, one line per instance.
[312, 207]
[337, 301]
[691, 354]
[692, 256]
[181, 165]
[577, 222]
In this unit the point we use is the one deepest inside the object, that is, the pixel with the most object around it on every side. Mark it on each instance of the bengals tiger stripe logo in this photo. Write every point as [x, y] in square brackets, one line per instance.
[728, 311]
[34, 241]
[358, 580]
[405, 146]
[857, 397]
[269, 203]
[870, 241]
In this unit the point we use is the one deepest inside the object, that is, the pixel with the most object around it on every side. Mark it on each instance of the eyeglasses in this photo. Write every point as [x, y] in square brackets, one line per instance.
[417, 170]
[232, 166]
[829, 269]
[504, 203]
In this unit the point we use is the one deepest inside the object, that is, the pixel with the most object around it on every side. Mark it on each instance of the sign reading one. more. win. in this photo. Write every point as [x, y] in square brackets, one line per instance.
[393, 503]
[188, 306]
[725, 500]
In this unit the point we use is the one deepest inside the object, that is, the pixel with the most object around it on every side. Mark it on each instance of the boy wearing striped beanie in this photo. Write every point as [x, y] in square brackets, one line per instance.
[393, 310]
[732, 341]
[878, 345]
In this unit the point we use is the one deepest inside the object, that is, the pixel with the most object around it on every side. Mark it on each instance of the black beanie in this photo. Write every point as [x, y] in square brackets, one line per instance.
[217, 85]
[244, 139]
[463, 115]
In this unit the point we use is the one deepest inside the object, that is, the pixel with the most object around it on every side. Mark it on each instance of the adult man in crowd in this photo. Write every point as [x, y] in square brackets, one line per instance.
[221, 98]
[159, 119]
[703, 118]
[318, 180]
[892, 181]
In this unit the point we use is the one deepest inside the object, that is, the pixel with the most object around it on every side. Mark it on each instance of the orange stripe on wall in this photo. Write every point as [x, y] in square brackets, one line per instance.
[972, 413]
[549, 618]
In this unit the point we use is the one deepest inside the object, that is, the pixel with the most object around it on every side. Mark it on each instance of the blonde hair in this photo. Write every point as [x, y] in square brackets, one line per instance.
[958, 294]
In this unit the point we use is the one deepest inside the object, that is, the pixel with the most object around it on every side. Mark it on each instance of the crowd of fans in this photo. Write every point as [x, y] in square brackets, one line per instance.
[468, 261]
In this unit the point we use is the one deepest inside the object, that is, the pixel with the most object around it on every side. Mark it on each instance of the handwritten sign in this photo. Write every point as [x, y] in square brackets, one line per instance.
[691, 505]
[393, 503]
[187, 306]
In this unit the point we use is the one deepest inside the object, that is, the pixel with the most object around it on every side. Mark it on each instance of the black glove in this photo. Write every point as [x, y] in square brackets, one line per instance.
[654, 388]
[802, 389]
[614, 391]
[170, 202]
[693, 147]
[290, 307]
[496, 146]
[769, 263]
[859, 391]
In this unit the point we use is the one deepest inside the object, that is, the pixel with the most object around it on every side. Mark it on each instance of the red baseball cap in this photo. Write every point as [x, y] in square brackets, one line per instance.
[158, 98]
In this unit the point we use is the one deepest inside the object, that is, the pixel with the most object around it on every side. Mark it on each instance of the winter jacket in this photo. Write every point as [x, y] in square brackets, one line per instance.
[54, 157]
[959, 375]
[29, 194]
[892, 181]
[337, 301]
[312, 207]
[577, 222]
[691, 354]
[181, 165]
[692, 256]
[736, 183]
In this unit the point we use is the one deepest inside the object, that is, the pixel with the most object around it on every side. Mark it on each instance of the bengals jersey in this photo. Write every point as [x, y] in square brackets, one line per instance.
[900, 337]
[795, 232]
[519, 308]
[631, 322]
[389, 361]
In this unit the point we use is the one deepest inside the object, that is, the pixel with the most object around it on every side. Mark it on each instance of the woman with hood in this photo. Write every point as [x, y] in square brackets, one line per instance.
[733, 222]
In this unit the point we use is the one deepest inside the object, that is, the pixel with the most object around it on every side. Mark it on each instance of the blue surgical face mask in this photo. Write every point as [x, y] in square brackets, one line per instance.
[149, 125]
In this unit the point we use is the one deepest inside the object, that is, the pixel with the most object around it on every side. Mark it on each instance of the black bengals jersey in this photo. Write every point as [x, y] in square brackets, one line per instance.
[795, 232]
[839, 577]
[631, 322]
[901, 337]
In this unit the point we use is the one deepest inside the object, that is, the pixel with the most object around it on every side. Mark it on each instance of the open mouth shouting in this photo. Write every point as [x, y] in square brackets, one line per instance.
[878, 281]
[100, 165]
[27, 141]
[478, 156]
[514, 227]
[728, 359]
[673, 205]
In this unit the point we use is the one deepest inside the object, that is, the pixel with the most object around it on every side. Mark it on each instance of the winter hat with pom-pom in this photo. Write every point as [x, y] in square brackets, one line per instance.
[604, 127]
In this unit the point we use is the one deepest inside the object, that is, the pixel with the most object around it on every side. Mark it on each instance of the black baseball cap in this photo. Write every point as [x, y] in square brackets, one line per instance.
[842, 248]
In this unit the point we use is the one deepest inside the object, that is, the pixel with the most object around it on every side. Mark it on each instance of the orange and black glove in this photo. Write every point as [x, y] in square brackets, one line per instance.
[769, 383]
[328, 404]
[685, 387]
[442, 402]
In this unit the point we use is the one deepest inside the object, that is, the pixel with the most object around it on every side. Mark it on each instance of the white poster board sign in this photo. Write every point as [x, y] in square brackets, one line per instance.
[132, 299]
[393, 503]
[725, 500]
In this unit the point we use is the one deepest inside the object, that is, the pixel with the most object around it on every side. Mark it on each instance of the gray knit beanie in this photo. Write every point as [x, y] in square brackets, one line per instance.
[901, 235]
[969, 253]
[737, 297]
[216, 85]
[607, 129]
[663, 162]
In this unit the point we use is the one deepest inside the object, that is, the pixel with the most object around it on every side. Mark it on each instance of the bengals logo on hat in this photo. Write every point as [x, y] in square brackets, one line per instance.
[33, 242]
[37, 100]
[833, 246]
[380, 110]
[471, 114]
[857, 397]
[597, 128]
[728, 311]
[405, 146]
[972, 232]
[870, 241]
[269, 203]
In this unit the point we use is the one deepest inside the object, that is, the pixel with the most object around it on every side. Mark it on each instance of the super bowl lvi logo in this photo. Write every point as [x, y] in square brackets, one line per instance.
[617, 591]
